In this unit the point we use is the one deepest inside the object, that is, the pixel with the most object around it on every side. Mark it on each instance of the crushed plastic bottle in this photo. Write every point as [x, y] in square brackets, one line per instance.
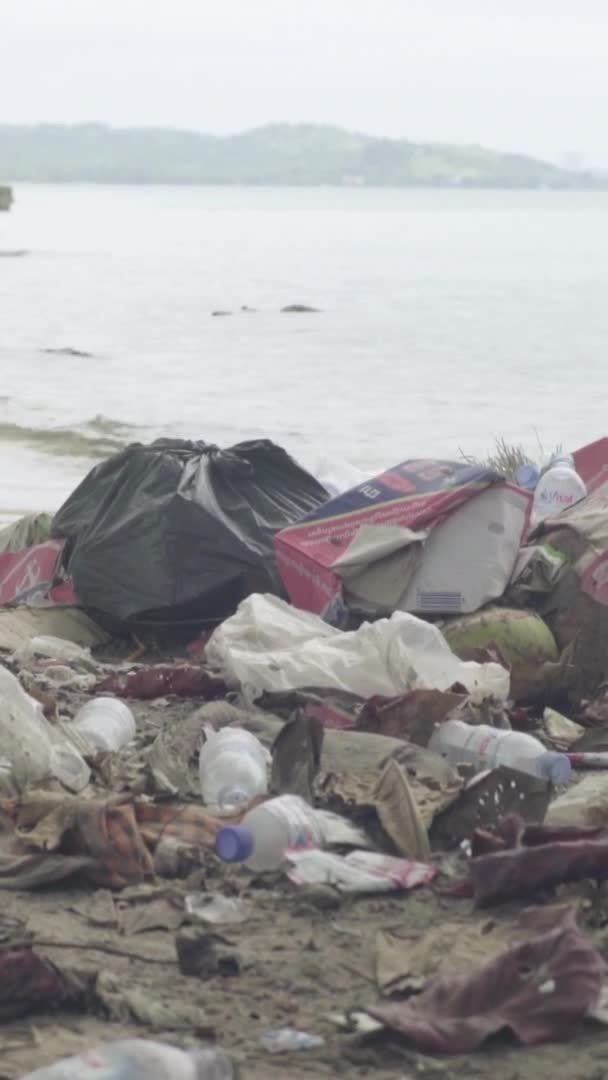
[559, 488]
[32, 749]
[487, 747]
[139, 1059]
[268, 831]
[215, 908]
[54, 648]
[233, 768]
[105, 723]
[283, 1040]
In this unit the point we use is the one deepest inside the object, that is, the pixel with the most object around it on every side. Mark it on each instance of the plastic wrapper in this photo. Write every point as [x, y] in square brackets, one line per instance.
[359, 872]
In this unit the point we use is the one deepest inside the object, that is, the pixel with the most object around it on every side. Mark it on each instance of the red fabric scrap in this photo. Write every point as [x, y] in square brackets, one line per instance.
[520, 859]
[162, 680]
[27, 982]
[539, 990]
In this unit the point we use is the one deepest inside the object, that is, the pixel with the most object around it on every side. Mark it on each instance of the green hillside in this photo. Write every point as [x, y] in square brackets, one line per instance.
[296, 154]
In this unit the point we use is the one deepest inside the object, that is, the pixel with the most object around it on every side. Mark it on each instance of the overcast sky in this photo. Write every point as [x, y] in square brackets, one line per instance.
[512, 74]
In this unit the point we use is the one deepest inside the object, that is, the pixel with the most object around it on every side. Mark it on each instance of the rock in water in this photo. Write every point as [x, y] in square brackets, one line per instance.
[300, 309]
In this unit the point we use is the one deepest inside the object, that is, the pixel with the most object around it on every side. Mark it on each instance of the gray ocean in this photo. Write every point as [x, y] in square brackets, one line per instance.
[447, 318]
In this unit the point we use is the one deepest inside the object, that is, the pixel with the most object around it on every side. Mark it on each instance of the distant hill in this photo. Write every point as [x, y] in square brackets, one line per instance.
[295, 154]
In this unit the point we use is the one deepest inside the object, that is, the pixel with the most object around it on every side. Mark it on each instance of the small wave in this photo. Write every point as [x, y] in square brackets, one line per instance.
[62, 442]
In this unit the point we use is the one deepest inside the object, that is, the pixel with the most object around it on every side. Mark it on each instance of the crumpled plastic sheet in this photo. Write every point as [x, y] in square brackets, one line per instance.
[518, 859]
[268, 645]
[163, 680]
[539, 990]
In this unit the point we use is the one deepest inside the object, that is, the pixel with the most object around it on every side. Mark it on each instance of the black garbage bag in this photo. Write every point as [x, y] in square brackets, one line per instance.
[181, 531]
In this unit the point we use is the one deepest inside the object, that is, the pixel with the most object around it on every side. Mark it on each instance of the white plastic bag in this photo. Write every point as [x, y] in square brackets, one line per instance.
[31, 749]
[270, 646]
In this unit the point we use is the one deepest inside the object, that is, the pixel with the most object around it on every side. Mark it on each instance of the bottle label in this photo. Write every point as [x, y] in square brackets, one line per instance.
[482, 744]
[557, 498]
[299, 818]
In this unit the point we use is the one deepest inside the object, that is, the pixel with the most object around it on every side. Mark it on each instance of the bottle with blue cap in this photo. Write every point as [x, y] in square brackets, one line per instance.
[527, 476]
[487, 747]
[268, 831]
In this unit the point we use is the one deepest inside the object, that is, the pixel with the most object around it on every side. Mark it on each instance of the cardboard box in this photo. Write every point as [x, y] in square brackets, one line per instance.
[384, 545]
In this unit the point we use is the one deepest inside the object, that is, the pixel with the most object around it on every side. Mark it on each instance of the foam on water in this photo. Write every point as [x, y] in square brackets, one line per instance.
[61, 441]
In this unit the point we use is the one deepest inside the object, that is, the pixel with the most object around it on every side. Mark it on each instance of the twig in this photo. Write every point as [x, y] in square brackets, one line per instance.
[355, 971]
[100, 947]
[139, 651]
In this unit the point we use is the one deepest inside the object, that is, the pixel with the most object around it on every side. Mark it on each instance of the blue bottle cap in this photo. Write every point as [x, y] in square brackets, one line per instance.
[554, 767]
[234, 843]
[527, 476]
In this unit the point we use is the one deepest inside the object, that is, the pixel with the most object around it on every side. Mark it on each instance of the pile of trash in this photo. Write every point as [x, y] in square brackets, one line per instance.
[221, 688]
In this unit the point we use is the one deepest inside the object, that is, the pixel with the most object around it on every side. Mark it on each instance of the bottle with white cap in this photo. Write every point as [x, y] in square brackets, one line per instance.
[233, 768]
[487, 747]
[559, 488]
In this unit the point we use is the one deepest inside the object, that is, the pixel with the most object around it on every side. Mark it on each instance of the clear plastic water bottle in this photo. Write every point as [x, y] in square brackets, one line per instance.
[559, 487]
[138, 1059]
[268, 831]
[487, 747]
[233, 768]
[105, 723]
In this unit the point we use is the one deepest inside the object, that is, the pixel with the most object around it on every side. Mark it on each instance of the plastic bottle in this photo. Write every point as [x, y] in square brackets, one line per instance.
[105, 723]
[267, 831]
[233, 768]
[487, 747]
[138, 1059]
[32, 749]
[558, 488]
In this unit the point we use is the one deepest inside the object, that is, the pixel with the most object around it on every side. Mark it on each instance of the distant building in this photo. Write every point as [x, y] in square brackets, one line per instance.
[6, 198]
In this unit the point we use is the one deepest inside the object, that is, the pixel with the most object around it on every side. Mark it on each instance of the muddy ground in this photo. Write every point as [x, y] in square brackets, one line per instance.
[300, 957]
[300, 966]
